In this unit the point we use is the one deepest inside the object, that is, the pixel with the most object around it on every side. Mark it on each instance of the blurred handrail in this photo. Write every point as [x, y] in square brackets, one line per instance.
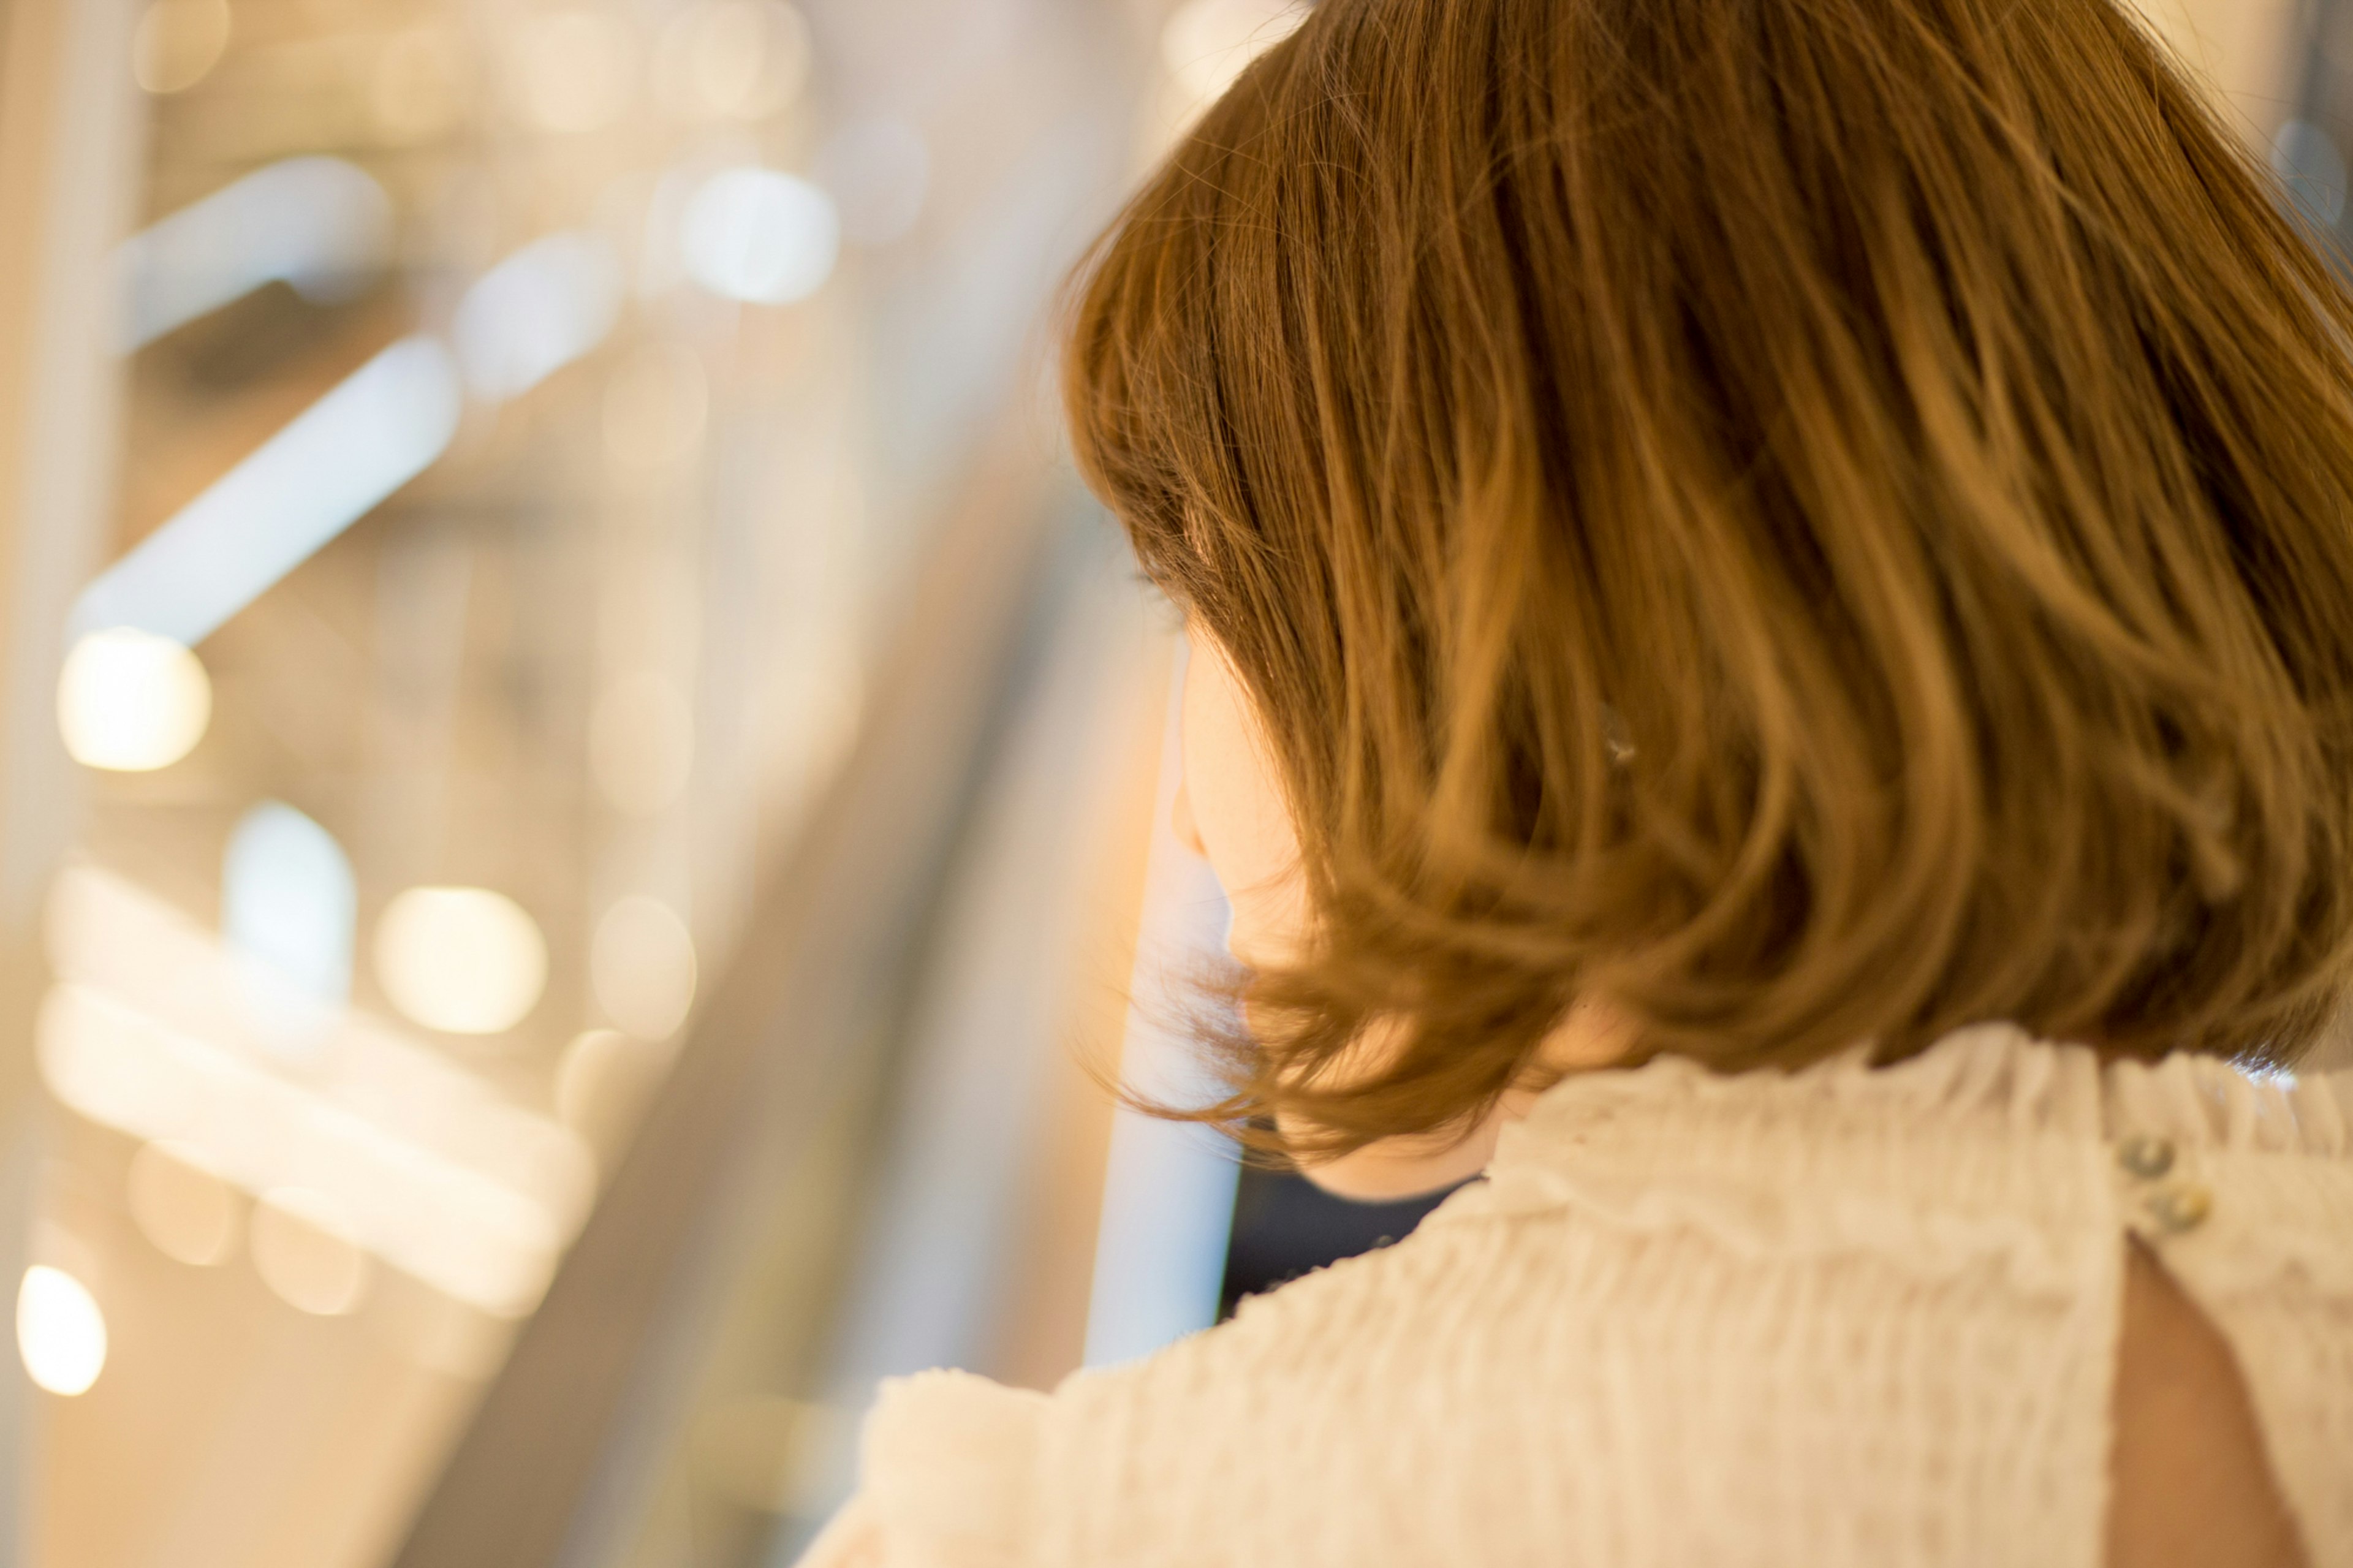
[545, 1470]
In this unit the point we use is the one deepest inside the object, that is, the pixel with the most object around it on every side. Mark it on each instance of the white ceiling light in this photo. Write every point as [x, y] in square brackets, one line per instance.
[760, 236]
[131, 702]
[379, 428]
[60, 1332]
[289, 908]
[536, 312]
[466, 960]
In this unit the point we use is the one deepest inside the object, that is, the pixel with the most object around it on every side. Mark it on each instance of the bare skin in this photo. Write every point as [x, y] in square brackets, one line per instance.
[2190, 1483]
[2190, 1487]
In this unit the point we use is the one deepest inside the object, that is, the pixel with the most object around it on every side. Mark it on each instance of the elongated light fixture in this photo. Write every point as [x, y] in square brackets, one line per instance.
[373, 433]
[321, 225]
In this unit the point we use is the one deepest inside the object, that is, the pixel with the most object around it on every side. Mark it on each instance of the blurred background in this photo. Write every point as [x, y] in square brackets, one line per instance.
[582, 791]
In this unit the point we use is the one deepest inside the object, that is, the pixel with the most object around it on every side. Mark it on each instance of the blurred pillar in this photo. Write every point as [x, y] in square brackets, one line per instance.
[69, 120]
[68, 124]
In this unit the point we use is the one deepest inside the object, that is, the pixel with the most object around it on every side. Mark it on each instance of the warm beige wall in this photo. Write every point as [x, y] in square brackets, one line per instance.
[2244, 48]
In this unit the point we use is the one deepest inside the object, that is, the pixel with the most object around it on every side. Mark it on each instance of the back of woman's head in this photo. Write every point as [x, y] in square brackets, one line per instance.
[1814, 520]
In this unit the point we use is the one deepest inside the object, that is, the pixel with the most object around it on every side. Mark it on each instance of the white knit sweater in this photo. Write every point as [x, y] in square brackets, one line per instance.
[1844, 1316]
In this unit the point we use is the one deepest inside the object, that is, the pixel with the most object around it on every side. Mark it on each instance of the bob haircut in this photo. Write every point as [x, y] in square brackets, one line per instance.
[1817, 521]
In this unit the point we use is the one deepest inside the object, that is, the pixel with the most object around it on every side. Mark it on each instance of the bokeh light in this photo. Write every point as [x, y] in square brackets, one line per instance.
[304, 1251]
[418, 87]
[440, 1173]
[642, 965]
[60, 1332]
[187, 1211]
[760, 236]
[290, 907]
[731, 59]
[603, 1083]
[131, 701]
[574, 70]
[177, 42]
[466, 960]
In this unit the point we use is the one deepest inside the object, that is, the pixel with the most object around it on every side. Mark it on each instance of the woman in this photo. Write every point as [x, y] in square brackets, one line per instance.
[1772, 593]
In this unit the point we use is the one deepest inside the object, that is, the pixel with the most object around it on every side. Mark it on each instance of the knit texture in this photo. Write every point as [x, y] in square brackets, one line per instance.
[1842, 1316]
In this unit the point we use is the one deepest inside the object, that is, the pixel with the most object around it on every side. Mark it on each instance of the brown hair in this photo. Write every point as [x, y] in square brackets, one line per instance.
[1817, 520]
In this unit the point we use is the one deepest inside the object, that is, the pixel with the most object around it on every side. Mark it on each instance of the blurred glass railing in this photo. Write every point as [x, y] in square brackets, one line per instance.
[762, 1125]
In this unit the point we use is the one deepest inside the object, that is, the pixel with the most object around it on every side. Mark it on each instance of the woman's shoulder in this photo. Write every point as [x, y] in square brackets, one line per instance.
[957, 1469]
[1992, 1150]
[1581, 1312]
[1322, 1326]
[949, 1461]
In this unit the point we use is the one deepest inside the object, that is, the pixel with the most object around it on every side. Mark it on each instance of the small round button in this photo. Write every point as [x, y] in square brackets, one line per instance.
[2145, 1156]
[2181, 1206]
